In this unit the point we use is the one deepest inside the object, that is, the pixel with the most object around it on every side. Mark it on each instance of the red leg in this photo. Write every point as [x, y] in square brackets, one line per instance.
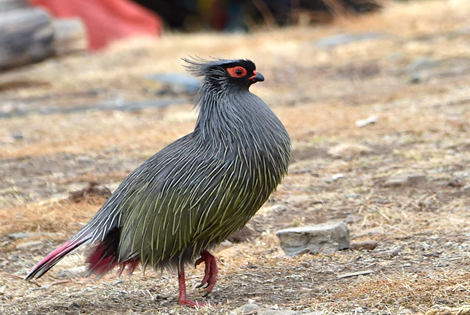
[210, 270]
[182, 299]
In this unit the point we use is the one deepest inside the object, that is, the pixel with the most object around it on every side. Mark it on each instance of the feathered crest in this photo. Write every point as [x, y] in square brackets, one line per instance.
[199, 67]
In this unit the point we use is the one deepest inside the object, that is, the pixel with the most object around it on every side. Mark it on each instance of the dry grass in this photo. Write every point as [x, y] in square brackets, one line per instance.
[422, 262]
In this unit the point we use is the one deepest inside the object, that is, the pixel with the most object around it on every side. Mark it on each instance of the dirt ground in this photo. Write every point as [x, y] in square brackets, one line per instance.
[411, 70]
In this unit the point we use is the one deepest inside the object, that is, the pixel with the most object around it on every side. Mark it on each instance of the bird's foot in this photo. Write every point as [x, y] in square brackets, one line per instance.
[182, 299]
[190, 303]
[210, 271]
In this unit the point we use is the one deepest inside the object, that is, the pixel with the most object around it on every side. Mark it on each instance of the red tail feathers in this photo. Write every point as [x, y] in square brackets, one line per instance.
[102, 260]
[53, 258]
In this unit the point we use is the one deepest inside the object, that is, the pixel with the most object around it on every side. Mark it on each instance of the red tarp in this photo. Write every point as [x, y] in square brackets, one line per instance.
[106, 20]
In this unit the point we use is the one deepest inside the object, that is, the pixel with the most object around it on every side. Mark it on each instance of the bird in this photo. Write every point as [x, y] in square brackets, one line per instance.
[190, 196]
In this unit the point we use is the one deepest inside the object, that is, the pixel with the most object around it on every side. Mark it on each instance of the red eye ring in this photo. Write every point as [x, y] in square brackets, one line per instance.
[237, 72]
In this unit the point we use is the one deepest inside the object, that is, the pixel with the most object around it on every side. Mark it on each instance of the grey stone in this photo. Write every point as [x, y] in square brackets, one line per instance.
[368, 121]
[341, 39]
[177, 82]
[405, 180]
[334, 178]
[246, 309]
[420, 69]
[329, 236]
[17, 136]
[354, 274]
[21, 235]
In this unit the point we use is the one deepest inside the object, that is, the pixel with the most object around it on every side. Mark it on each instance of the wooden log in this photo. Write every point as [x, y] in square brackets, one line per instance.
[69, 36]
[8, 5]
[26, 36]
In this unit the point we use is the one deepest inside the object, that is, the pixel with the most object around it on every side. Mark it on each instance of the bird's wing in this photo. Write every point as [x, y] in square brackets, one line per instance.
[161, 214]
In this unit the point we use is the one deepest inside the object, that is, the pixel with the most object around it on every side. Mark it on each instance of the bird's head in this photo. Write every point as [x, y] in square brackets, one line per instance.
[223, 73]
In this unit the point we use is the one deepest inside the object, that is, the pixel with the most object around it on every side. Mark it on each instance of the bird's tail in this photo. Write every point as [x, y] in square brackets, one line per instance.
[105, 255]
[53, 258]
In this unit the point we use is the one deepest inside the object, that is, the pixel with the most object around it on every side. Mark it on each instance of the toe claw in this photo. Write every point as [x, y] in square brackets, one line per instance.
[210, 271]
[198, 262]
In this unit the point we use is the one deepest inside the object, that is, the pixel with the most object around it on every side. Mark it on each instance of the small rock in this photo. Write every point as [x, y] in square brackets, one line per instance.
[354, 274]
[29, 245]
[341, 39]
[405, 180]
[246, 309]
[366, 244]
[21, 235]
[348, 150]
[315, 238]
[226, 243]
[73, 272]
[334, 178]
[368, 121]
[17, 136]
[419, 69]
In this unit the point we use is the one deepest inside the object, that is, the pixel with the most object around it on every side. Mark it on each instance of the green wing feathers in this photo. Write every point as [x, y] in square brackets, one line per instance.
[159, 224]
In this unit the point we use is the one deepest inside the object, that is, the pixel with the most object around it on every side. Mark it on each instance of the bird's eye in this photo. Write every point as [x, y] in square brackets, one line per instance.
[237, 72]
